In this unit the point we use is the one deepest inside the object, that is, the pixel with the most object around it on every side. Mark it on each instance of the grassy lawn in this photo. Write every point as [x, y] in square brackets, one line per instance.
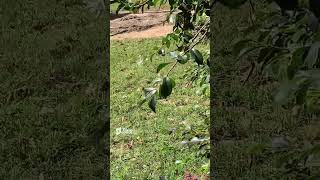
[52, 74]
[153, 147]
[114, 7]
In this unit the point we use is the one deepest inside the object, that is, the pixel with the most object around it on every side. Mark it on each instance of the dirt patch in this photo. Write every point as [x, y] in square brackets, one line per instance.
[157, 31]
[147, 25]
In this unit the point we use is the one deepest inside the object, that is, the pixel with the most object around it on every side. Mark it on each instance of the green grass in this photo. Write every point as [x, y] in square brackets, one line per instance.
[52, 73]
[114, 7]
[155, 150]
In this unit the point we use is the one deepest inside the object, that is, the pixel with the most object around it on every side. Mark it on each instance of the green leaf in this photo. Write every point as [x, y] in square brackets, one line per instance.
[239, 45]
[302, 92]
[265, 55]
[162, 65]
[172, 2]
[166, 41]
[120, 7]
[174, 36]
[157, 80]
[312, 56]
[162, 2]
[182, 59]
[155, 2]
[309, 74]
[148, 93]
[297, 35]
[152, 103]
[312, 100]
[313, 22]
[173, 55]
[166, 87]
[276, 64]
[296, 62]
[263, 35]
[197, 56]
[246, 50]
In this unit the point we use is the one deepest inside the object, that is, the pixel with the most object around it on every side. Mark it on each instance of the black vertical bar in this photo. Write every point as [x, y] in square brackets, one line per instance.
[213, 160]
[107, 99]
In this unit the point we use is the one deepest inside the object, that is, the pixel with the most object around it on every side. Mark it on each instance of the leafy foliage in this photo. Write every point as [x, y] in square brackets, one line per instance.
[288, 49]
[191, 27]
